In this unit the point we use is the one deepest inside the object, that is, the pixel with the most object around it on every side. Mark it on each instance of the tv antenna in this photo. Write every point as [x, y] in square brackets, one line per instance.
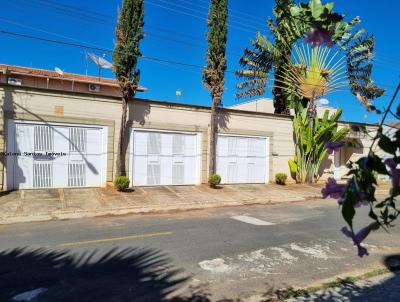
[59, 71]
[85, 61]
[100, 62]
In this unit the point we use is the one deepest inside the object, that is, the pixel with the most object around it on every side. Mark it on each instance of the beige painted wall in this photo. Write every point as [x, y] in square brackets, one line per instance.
[34, 104]
[362, 142]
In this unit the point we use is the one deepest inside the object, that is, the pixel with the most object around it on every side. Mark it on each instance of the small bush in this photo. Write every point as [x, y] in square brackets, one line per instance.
[280, 178]
[214, 180]
[122, 183]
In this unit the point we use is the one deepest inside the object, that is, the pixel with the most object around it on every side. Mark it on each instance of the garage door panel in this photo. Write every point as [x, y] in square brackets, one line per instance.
[140, 143]
[242, 159]
[24, 140]
[140, 170]
[222, 146]
[154, 143]
[169, 159]
[190, 170]
[241, 147]
[66, 156]
[191, 147]
[154, 173]
[93, 137]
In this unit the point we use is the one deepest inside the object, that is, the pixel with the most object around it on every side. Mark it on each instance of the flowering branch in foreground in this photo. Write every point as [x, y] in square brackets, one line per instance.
[359, 190]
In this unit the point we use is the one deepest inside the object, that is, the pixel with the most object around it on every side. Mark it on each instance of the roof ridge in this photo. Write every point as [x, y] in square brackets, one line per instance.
[67, 75]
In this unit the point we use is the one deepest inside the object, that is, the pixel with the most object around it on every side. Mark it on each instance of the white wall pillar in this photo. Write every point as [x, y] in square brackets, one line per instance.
[337, 175]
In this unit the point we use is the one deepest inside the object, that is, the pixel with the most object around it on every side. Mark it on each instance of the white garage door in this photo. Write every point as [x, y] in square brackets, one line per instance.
[165, 158]
[55, 155]
[242, 159]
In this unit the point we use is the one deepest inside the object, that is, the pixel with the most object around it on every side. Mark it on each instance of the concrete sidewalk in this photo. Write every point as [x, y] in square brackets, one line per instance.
[50, 204]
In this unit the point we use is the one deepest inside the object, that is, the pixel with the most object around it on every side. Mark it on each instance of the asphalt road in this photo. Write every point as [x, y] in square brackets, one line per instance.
[201, 255]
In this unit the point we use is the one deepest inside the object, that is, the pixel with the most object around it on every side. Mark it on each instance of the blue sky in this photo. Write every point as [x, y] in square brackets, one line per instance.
[175, 30]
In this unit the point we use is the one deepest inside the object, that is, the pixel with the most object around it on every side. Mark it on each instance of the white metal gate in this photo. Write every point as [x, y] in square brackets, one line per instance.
[242, 159]
[165, 158]
[55, 155]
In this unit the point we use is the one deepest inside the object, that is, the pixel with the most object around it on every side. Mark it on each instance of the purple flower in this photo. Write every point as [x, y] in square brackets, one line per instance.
[390, 163]
[333, 146]
[319, 36]
[333, 190]
[360, 236]
[394, 171]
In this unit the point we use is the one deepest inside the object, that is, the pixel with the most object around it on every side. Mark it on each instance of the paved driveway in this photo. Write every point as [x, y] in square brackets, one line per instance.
[41, 205]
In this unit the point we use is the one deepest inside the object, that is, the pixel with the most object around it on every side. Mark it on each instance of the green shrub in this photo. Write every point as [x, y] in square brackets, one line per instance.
[122, 183]
[214, 180]
[280, 178]
[293, 169]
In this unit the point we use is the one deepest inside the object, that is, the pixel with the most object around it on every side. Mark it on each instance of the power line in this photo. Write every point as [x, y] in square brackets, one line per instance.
[86, 46]
[89, 14]
[105, 19]
[95, 47]
[151, 34]
[231, 13]
[107, 50]
[192, 15]
[146, 33]
[76, 11]
[40, 30]
[247, 15]
[185, 7]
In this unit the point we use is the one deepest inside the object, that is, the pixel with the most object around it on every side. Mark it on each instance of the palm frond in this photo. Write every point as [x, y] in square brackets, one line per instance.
[257, 63]
[359, 67]
[314, 72]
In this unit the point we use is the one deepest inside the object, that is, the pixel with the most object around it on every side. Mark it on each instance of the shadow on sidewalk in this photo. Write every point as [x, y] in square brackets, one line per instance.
[384, 289]
[131, 274]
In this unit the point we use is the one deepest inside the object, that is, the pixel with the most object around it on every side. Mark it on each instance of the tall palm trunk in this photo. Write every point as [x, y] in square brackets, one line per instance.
[121, 155]
[126, 54]
[311, 113]
[213, 135]
[214, 72]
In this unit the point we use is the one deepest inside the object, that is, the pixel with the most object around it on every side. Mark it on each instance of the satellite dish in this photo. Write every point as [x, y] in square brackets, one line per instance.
[59, 71]
[323, 102]
[100, 62]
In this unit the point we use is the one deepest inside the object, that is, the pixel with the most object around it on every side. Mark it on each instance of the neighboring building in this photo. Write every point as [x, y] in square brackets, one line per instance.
[265, 105]
[389, 130]
[75, 119]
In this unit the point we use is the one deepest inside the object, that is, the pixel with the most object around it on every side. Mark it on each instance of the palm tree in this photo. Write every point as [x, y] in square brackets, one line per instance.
[316, 70]
[311, 74]
[125, 56]
[214, 72]
[307, 74]
[292, 22]
[259, 61]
